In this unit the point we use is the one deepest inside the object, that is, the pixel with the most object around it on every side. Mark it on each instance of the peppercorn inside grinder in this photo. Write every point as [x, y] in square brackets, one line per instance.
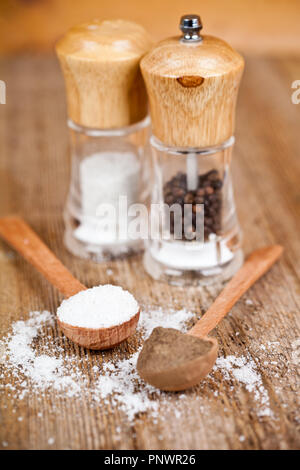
[109, 135]
[192, 83]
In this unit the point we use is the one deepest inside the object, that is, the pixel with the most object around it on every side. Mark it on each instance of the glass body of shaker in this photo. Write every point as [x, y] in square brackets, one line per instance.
[196, 236]
[110, 171]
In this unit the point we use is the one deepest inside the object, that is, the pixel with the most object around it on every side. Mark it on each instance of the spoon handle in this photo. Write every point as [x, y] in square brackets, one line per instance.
[258, 263]
[23, 239]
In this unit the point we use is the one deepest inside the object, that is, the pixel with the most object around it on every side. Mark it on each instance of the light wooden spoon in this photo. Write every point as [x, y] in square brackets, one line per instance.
[171, 366]
[21, 237]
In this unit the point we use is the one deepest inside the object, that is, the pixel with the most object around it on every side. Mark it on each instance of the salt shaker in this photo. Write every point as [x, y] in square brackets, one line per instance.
[192, 82]
[109, 134]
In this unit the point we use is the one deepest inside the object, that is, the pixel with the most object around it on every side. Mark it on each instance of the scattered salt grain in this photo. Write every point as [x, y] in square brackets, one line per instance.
[244, 370]
[98, 307]
[158, 317]
[51, 441]
[4, 443]
[249, 302]
[36, 363]
[39, 366]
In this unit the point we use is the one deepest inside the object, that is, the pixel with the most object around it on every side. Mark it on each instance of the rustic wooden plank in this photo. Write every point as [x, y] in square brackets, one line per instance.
[34, 171]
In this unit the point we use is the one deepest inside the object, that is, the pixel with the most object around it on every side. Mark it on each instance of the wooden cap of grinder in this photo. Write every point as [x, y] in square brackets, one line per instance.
[100, 62]
[192, 83]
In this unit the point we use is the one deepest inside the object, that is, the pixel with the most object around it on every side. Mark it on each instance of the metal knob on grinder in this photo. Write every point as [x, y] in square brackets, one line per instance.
[191, 26]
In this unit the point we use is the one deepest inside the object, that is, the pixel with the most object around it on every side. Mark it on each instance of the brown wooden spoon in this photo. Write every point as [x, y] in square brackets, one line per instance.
[23, 239]
[171, 360]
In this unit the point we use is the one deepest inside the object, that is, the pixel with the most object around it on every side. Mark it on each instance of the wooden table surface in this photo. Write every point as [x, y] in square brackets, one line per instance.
[34, 172]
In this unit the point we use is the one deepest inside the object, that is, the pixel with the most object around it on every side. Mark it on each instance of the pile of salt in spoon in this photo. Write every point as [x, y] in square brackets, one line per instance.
[99, 317]
[98, 307]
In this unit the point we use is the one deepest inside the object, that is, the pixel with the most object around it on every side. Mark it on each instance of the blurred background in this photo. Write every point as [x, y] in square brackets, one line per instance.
[252, 26]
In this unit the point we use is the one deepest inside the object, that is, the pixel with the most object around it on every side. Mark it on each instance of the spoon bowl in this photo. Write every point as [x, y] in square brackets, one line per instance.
[100, 338]
[182, 376]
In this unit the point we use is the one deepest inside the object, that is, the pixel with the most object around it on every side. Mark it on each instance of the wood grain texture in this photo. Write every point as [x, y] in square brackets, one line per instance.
[34, 171]
[100, 63]
[192, 102]
[257, 264]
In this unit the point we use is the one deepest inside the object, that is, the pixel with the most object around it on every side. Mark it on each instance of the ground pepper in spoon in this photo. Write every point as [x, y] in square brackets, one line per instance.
[171, 360]
[96, 318]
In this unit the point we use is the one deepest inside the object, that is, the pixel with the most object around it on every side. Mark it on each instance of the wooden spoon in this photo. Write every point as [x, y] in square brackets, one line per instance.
[21, 237]
[173, 361]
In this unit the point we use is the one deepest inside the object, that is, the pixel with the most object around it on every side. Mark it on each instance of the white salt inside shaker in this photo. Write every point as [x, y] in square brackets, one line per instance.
[109, 127]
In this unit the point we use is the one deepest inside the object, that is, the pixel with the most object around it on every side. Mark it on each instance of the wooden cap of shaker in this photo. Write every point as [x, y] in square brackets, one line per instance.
[192, 83]
[100, 62]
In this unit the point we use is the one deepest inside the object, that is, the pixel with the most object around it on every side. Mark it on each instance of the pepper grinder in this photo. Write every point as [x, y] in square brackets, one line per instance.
[109, 135]
[192, 83]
